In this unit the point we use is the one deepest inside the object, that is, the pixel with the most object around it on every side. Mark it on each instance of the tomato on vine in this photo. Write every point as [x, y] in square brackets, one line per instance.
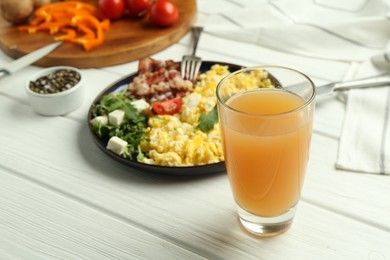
[161, 12]
[112, 9]
[164, 13]
[138, 7]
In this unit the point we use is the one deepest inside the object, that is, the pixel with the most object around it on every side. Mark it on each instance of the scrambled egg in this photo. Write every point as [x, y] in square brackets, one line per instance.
[246, 81]
[176, 141]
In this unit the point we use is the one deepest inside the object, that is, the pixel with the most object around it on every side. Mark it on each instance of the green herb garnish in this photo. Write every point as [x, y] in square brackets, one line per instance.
[207, 121]
[131, 130]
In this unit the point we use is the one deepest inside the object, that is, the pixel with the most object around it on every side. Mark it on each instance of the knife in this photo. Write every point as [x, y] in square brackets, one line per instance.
[370, 82]
[376, 81]
[28, 59]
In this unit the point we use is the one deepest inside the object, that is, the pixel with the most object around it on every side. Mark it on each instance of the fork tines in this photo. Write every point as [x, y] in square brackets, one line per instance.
[190, 67]
[190, 64]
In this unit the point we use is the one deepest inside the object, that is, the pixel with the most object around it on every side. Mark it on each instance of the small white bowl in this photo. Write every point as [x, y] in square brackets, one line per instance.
[56, 104]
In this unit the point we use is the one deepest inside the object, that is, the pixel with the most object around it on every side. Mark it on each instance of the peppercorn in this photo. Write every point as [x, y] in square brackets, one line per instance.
[58, 81]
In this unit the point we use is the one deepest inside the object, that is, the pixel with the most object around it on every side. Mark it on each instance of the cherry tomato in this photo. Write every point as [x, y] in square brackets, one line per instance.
[167, 107]
[112, 9]
[138, 7]
[164, 13]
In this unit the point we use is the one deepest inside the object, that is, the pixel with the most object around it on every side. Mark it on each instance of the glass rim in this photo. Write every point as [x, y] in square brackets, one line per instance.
[263, 67]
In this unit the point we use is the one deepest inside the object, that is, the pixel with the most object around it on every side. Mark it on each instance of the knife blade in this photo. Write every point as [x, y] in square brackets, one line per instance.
[28, 59]
[327, 89]
[376, 81]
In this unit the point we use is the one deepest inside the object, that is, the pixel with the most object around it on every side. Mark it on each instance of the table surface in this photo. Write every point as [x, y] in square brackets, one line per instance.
[63, 198]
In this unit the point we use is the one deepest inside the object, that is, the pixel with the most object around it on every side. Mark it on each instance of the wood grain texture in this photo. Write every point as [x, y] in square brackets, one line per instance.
[39, 223]
[128, 39]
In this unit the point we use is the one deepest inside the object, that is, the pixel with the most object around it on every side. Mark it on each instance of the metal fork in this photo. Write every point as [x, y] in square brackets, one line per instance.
[190, 64]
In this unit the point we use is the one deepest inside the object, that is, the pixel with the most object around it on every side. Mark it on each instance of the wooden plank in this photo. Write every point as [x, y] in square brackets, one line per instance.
[357, 195]
[39, 223]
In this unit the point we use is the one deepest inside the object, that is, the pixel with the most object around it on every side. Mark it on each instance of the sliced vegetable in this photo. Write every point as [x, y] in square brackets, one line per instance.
[93, 22]
[167, 107]
[77, 20]
[89, 33]
[69, 35]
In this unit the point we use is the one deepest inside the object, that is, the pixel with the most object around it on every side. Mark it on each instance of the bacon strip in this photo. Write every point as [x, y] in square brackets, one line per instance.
[158, 81]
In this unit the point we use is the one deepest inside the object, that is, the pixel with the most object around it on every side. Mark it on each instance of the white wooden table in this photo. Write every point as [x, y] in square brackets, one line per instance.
[63, 198]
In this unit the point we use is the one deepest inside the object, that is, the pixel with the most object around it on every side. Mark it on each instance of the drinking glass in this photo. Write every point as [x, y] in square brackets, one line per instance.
[266, 115]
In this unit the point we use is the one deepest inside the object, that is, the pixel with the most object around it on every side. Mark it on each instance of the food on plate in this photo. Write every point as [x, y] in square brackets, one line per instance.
[158, 81]
[164, 13]
[112, 9]
[128, 125]
[247, 81]
[172, 142]
[70, 21]
[117, 145]
[167, 107]
[188, 135]
[16, 12]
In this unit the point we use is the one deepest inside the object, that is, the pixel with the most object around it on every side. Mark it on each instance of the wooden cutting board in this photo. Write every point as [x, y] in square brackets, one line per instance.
[127, 40]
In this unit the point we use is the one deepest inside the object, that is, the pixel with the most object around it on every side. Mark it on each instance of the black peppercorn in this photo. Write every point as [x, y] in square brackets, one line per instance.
[58, 81]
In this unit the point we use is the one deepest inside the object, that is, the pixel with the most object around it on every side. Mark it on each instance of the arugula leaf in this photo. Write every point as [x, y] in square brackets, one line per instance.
[140, 156]
[131, 130]
[133, 134]
[207, 121]
[101, 130]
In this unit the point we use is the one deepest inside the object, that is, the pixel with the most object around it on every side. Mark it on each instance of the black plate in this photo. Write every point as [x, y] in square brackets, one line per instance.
[167, 170]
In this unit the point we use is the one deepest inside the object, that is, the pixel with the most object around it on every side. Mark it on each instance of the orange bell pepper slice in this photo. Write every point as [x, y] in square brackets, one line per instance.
[69, 35]
[88, 32]
[76, 20]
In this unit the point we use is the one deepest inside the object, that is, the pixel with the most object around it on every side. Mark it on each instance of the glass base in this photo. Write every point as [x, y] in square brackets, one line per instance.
[266, 226]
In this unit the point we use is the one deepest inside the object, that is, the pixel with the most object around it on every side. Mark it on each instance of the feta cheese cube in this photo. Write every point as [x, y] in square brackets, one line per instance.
[140, 104]
[103, 120]
[116, 117]
[117, 145]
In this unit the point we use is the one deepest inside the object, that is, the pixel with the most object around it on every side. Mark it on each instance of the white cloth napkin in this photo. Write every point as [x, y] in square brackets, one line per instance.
[330, 29]
[350, 30]
[365, 138]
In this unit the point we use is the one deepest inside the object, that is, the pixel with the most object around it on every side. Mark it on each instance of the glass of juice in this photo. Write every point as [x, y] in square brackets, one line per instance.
[266, 116]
